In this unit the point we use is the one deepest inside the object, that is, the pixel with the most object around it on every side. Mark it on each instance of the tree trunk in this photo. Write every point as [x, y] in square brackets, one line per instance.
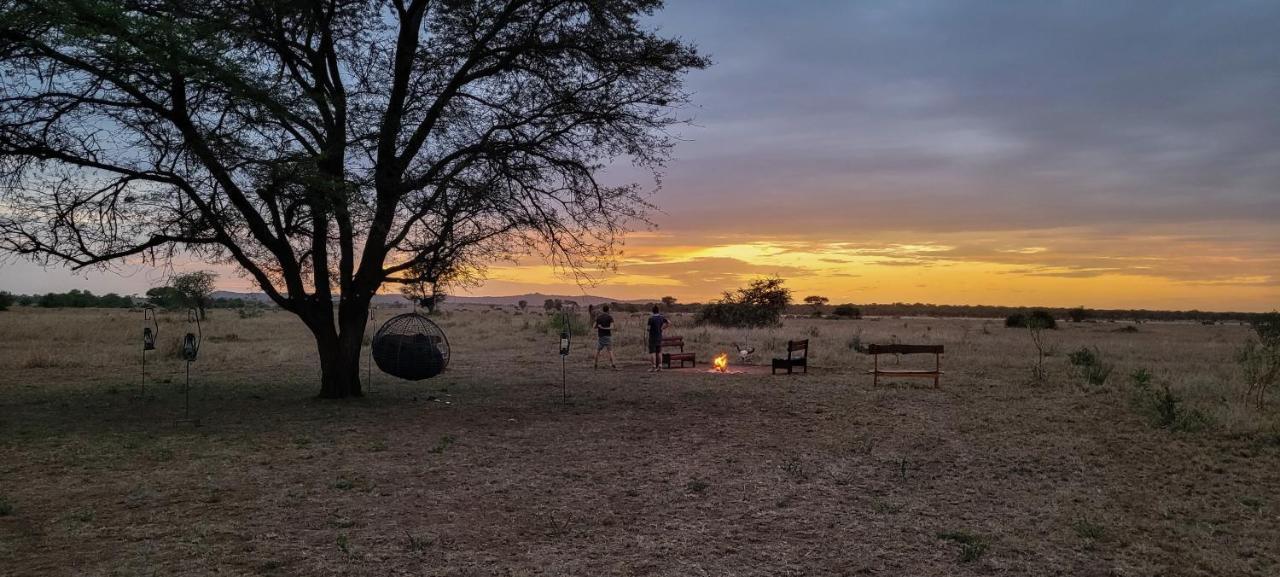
[339, 348]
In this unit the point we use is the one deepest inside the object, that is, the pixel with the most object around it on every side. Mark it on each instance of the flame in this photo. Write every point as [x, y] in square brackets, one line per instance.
[721, 362]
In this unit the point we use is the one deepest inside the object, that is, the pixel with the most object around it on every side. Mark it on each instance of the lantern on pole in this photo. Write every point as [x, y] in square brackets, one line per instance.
[150, 332]
[565, 339]
[190, 350]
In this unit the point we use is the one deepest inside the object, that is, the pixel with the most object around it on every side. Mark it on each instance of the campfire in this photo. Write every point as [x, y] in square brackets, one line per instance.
[720, 363]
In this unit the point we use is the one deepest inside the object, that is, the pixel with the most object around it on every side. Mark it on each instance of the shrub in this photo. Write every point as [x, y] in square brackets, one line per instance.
[1040, 319]
[6, 300]
[1164, 408]
[1083, 357]
[847, 311]
[1259, 358]
[249, 312]
[567, 320]
[855, 342]
[760, 304]
[1090, 366]
[972, 546]
[1141, 378]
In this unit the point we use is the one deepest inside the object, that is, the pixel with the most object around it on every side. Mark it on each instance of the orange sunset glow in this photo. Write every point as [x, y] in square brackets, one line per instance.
[891, 153]
[1014, 268]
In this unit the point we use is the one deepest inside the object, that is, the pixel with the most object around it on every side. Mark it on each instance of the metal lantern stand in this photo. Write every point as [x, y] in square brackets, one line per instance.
[149, 336]
[190, 350]
[564, 371]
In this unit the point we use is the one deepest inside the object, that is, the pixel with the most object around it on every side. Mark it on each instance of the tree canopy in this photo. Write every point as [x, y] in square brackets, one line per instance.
[328, 147]
[758, 304]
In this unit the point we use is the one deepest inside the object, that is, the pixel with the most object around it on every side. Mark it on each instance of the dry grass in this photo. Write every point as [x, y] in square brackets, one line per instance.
[483, 472]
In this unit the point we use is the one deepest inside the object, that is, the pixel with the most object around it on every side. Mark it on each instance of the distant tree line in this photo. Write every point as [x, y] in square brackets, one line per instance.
[171, 297]
[160, 297]
[1076, 314]
[74, 298]
[186, 290]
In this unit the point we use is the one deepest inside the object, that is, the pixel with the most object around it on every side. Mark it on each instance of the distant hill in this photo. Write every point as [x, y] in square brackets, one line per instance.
[534, 299]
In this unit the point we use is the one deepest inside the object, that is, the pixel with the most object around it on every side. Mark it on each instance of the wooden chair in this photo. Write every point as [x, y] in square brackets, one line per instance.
[876, 350]
[792, 361]
[680, 357]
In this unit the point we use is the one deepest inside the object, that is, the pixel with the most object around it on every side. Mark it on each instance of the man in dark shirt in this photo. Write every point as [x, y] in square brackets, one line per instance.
[657, 323]
[604, 336]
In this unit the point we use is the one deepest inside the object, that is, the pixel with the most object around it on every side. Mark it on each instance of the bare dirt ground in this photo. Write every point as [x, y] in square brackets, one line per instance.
[483, 471]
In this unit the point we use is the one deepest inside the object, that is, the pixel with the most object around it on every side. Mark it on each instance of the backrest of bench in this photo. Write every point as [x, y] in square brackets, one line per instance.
[676, 342]
[793, 346]
[903, 349]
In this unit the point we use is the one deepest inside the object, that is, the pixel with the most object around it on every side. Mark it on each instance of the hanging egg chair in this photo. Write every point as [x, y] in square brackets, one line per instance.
[411, 347]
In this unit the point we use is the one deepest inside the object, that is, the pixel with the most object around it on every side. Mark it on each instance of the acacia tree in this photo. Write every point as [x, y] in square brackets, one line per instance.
[816, 303]
[195, 289]
[328, 147]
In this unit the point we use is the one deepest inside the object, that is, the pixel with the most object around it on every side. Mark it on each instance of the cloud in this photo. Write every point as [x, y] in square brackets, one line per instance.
[964, 115]
[706, 275]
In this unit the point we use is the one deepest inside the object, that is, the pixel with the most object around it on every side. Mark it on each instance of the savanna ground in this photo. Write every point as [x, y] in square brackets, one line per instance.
[483, 471]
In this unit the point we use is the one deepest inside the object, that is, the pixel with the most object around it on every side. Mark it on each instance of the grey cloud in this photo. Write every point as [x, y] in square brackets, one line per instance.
[962, 115]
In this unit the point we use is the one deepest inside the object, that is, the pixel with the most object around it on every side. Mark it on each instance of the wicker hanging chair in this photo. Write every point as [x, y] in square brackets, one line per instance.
[411, 347]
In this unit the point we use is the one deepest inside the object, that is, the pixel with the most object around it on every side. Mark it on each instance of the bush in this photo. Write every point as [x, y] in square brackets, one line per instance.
[1259, 358]
[6, 300]
[847, 311]
[249, 312]
[1040, 319]
[760, 304]
[567, 320]
[1163, 408]
[1088, 363]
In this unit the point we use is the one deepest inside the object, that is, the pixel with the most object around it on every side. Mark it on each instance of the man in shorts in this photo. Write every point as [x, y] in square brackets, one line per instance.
[657, 323]
[604, 336]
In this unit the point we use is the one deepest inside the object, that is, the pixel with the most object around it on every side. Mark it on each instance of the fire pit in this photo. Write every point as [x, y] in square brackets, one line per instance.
[720, 365]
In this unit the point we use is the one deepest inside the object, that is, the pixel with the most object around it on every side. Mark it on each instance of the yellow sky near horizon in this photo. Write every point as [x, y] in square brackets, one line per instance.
[1205, 267]
[1063, 267]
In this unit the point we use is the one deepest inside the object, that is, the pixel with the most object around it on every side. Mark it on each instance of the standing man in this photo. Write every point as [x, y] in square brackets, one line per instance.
[604, 336]
[657, 323]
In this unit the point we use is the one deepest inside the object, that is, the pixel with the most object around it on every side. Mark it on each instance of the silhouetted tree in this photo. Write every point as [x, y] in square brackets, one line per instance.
[195, 289]
[165, 297]
[848, 311]
[326, 147]
[759, 304]
[816, 302]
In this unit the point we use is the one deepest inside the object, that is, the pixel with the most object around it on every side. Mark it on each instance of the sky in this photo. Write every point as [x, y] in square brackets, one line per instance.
[1108, 154]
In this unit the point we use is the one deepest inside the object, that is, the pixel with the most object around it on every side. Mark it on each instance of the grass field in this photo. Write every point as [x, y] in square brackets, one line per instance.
[483, 471]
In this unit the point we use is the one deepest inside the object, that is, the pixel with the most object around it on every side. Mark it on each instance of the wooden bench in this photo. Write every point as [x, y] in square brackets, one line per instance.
[876, 350]
[680, 357]
[792, 361]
